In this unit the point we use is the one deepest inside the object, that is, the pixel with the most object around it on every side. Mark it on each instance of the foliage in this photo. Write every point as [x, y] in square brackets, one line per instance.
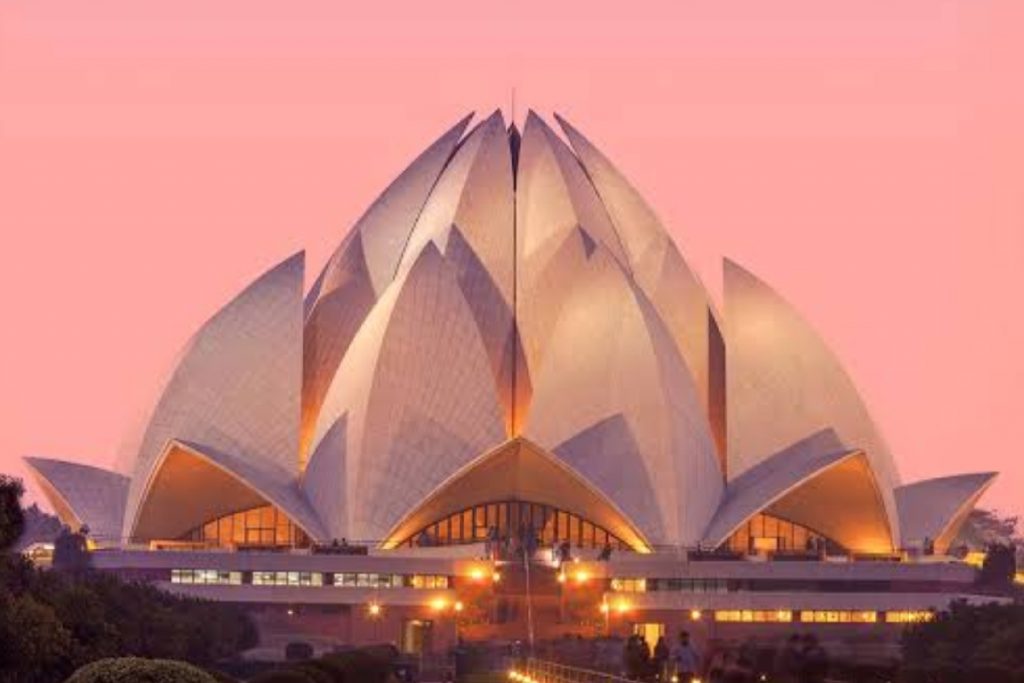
[366, 665]
[34, 645]
[283, 676]
[314, 673]
[70, 551]
[999, 567]
[139, 670]
[986, 527]
[40, 527]
[12, 519]
[967, 643]
[53, 622]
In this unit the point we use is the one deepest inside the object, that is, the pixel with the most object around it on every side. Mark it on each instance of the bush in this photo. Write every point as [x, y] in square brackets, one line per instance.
[315, 673]
[283, 676]
[370, 665]
[332, 669]
[138, 670]
[298, 651]
[966, 643]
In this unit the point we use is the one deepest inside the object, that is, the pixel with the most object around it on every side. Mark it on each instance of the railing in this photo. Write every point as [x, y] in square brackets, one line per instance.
[543, 671]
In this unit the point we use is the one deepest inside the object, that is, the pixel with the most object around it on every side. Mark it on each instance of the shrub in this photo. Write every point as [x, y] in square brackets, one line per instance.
[371, 665]
[138, 670]
[282, 676]
[315, 673]
[334, 671]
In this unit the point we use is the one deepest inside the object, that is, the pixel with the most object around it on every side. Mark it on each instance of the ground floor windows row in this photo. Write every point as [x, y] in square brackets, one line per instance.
[286, 578]
[642, 585]
[823, 616]
[206, 576]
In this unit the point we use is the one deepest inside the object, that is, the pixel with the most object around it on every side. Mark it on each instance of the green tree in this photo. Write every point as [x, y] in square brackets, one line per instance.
[34, 645]
[966, 643]
[12, 518]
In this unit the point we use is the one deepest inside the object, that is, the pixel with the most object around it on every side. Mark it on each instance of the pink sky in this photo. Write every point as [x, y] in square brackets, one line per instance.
[866, 157]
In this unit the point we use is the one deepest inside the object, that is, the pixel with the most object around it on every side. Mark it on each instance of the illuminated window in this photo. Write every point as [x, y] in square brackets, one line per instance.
[385, 581]
[260, 526]
[780, 616]
[908, 616]
[507, 519]
[206, 576]
[287, 579]
[838, 617]
[629, 585]
[772, 534]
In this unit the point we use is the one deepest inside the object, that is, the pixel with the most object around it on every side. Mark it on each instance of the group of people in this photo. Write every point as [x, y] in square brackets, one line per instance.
[801, 659]
[680, 662]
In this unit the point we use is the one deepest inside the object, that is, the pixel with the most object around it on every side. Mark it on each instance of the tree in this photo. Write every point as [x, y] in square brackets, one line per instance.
[12, 518]
[1000, 566]
[966, 643]
[34, 645]
[70, 551]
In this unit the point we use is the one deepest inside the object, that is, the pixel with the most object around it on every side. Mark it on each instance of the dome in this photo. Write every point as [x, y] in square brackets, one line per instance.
[508, 336]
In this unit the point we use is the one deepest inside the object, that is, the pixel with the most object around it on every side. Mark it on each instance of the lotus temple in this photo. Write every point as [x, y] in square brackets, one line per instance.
[508, 408]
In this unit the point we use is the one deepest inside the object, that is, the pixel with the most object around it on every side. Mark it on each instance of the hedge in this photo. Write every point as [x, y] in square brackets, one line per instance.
[139, 670]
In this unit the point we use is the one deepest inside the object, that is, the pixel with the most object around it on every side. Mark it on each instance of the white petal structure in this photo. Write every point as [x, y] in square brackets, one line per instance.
[609, 356]
[83, 495]
[818, 483]
[237, 388]
[508, 324]
[935, 509]
[517, 470]
[359, 271]
[784, 383]
[661, 273]
[193, 484]
[418, 399]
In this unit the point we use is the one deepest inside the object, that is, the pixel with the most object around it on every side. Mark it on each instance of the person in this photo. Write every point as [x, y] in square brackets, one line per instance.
[660, 659]
[630, 657]
[606, 552]
[789, 659]
[814, 661]
[490, 545]
[685, 658]
[644, 656]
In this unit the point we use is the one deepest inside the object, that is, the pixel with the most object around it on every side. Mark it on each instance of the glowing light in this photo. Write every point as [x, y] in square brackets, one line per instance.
[675, 679]
[374, 609]
[496, 577]
[622, 607]
[458, 606]
[695, 615]
[582, 577]
[439, 604]
[477, 574]
[604, 607]
[561, 577]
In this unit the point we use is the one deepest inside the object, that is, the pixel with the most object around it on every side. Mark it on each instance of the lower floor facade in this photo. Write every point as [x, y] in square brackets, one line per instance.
[425, 600]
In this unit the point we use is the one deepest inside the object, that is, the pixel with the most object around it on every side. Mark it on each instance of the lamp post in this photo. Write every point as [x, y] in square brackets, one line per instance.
[375, 612]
